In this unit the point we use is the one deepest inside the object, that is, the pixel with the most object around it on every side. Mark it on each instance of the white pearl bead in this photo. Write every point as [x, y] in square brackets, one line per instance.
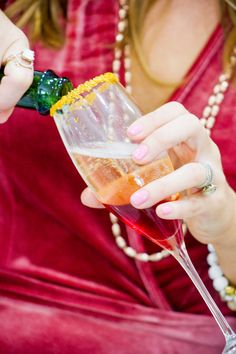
[121, 26]
[214, 110]
[216, 89]
[212, 259]
[130, 252]
[211, 100]
[122, 14]
[210, 122]
[113, 218]
[219, 97]
[118, 53]
[232, 305]
[206, 112]
[127, 76]
[119, 37]
[220, 283]
[116, 229]
[224, 85]
[116, 65]
[127, 63]
[120, 242]
[210, 247]
[144, 257]
[214, 271]
[155, 256]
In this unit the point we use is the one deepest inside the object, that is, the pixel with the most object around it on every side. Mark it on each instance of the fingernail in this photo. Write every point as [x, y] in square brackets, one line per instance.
[140, 152]
[134, 129]
[166, 209]
[139, 197]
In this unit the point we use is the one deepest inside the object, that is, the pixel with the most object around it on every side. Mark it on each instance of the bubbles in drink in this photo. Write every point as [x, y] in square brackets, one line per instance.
[113, 174]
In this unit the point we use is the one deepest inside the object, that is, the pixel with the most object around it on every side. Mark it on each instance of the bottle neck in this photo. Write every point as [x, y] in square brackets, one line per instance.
[46, 89]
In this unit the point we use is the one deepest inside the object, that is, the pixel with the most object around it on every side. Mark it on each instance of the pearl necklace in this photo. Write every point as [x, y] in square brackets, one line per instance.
[208, 119]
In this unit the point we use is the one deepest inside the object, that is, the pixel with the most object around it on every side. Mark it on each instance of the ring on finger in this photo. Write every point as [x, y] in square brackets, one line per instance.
[24, 59]
[210, 188]
[207, 187]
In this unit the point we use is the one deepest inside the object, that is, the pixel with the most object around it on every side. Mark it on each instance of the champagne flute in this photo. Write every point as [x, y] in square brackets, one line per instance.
[92, 121]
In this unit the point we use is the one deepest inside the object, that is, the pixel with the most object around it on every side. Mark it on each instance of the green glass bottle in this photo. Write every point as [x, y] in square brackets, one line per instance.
[46, 89]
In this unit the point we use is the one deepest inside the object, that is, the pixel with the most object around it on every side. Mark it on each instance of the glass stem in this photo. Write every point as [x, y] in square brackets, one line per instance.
[181, 255]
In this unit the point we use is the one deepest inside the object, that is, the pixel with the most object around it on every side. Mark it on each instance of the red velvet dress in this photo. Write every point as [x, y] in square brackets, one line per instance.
[65, 287]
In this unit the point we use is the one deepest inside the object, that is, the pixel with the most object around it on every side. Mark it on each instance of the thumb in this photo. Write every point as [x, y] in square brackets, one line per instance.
[18, 76]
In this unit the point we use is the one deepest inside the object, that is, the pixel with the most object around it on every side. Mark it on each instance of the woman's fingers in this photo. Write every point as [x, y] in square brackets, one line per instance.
[186, 177]
[88, 198]
[145, 125]
[17, 76]
[15, 82]
[170, 135]
[186, 208]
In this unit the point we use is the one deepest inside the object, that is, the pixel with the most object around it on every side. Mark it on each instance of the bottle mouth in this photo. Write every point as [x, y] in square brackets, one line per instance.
[50, 89]
[84, 91]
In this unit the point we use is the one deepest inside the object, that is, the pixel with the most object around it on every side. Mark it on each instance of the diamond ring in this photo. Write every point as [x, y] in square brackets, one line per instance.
[24, 59]
[207, 187]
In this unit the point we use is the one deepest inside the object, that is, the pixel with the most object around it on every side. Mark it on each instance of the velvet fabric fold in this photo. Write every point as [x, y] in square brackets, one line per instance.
[102, 327]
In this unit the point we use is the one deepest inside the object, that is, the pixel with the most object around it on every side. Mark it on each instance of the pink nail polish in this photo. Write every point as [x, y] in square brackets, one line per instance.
[166, 209]
[140, 152]
[139, 197]
[134, 129]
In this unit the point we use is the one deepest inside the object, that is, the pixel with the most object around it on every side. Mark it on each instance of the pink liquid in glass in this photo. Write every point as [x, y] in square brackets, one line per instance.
[166, 233]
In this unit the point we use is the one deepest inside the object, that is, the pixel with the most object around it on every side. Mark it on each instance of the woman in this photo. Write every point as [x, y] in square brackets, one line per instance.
[66, 286]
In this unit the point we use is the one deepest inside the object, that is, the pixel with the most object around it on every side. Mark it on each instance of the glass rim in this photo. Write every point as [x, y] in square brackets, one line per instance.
[86, 87]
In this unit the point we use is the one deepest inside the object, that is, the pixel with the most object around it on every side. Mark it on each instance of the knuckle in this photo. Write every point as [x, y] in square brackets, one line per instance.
[195, 122]
[178, 107]
[161, 188]
[156, 142]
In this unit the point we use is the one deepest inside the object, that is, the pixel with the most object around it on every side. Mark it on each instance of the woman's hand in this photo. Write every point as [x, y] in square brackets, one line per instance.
[209, 217]
[17, 79]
